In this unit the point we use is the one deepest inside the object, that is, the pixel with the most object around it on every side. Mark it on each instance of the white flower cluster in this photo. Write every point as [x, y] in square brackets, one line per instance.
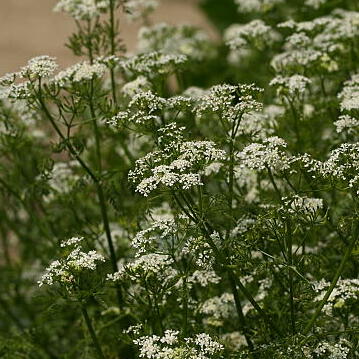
[204, 278]
[305, 206]
[181, 40]
[262, 293]
[146, 107]
[139, 9]
[88, 71]
[234, 340]
[21, 91]
[83, 71]
[243, 225]
[256, 33]
[218, 309]
[346, 291]
[154, 236]
[41, 66]
[82, 9]
[149, 263]
[143, 108]
[201, 251]
[347, 124]
[229, 102]
[183, 166]
[256, 125]
[65, 270]
[152, 64]
[71, 241]
[201, 346]
[316, 4]
[62, 179]
[293, 86]
[349, 96]
[328, 350]
[343, 162]
[267, 155]
[318, 44]
[37, 67]
[132, 88]
[256, 5]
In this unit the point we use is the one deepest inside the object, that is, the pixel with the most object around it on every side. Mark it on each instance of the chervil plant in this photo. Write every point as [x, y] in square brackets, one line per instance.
[195, 199]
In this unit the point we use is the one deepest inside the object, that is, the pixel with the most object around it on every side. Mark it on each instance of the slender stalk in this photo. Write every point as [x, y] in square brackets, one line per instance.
[221, 259]
[334, 282]
[113, 50]
[99, 189]
[100, 192]
[95, 129]
[242, 319]
[271, 178]
[296, 124]
[92, 333]
[290, 274]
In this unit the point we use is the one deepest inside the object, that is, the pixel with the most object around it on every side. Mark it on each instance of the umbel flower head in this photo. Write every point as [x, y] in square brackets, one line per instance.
[181, 164]
[200, 346]
[82, 9]
[65, 270]
[181, 40]
[139, 9]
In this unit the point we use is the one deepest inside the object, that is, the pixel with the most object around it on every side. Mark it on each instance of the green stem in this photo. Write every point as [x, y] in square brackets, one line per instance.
[221, 259]
[291, 286]
[92, 333]
[337, 275]
[242, 320]
[113, 50]
[271, 178]
[99, 188]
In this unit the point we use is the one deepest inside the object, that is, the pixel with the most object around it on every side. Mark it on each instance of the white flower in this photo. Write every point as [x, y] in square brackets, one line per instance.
[228, 101]
[137, 9]
[65, 269]
[152, 64]
[71, 241]
[316, 4]
[87, 71]
[183, 167]
[149, 263]
[206, 344]
[41, 66]
[302, 205]
[204, 277]
[62, 179]
[346, 290]
[158, 233]
[82, 9]
[337, 350]
[201, 346]
[256, 33]
[170, 337]
[140, 84]
[181, 40]
[256, 5]
[269, 154]
[346, 124]
[293, 85]
[219, 308]
[350, 94]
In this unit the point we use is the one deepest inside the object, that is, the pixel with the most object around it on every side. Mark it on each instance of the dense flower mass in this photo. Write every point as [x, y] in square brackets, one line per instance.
[65, 270]
[184, 166]
[82, 9]
[195, 198]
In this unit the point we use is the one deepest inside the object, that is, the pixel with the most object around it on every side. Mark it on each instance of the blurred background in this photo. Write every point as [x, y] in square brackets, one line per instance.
[30, 28]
